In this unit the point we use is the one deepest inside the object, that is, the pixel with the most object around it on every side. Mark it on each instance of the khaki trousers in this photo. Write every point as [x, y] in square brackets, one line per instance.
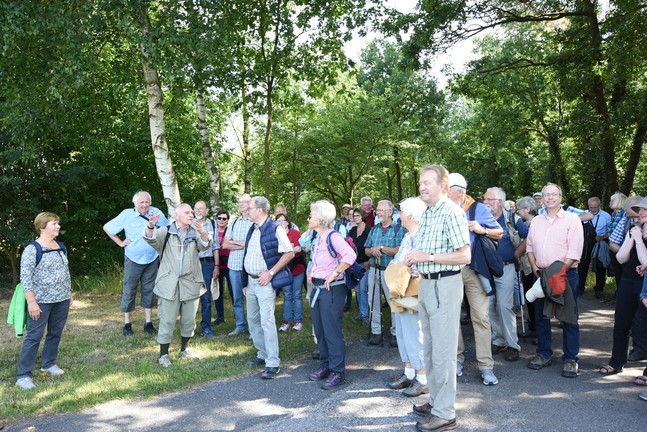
[480, 314]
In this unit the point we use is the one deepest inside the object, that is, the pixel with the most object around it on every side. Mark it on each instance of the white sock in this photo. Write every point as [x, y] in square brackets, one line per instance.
[409, 372]
[422, 379]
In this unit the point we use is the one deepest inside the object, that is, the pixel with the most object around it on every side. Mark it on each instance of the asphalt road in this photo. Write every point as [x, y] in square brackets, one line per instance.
[524, 399]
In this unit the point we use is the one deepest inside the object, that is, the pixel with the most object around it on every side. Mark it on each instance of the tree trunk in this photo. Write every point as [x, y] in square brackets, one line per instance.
[398, 174]
[556, 169]
[163, 161]
[247, 157]
[207, 153]
[389, 185]
[268, 135]
[634, 157]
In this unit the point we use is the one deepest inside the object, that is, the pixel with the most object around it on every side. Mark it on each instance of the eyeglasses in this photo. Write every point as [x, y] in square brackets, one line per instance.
[552, 194]
[490, 199]
[223, 218]
[382, 210]
[251, 208]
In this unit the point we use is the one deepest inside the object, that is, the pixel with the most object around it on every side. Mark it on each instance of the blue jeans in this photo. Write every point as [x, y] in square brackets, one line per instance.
[236, 279]
[571, 332]
[53, 316]
[220, 305]
[362, 296]
[293, 295]
[205, 299]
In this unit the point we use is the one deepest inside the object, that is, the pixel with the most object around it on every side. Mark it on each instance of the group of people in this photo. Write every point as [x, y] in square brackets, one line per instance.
[435, 252]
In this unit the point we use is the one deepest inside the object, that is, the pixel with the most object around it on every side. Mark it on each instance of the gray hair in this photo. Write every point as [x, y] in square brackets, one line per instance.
[388, 202]
[527, 203]
[323, 211]
[413, 207]
[617, 200]
[498, 193]
[551, 184]
[366, 198]
[138, 193]
[177, 209]
[631, 201]
[262, 203]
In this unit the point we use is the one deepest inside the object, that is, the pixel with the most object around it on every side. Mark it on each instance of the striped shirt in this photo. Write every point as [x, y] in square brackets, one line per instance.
[442, 229]
[237, 231]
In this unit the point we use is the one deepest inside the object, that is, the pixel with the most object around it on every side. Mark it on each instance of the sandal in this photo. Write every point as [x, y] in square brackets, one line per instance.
[608, 370]
[640, 380]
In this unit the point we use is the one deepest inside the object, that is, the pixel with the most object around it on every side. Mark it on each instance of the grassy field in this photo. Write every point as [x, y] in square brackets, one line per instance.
[102, 365]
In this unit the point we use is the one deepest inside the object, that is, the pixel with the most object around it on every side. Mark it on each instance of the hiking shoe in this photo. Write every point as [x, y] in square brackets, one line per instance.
[366, 322]
[284, 326]
[188, 354]
[321, 373]
[25, 383]
[636, 356]
[53, 370]
[394, 342]
[570, 369]
[148, 328]
[436, 424]
[416, 389]
[237, 332]
[400, 383]
[375, 339]
[539, 362]
[357, 319]
[511, 354]
[164, 361]
[335, 379]
[315, 354]
[270, 372]
[422, 409]
[297, 326]
[489, 378]
[496, 349]
[459, 368]
[256, 362]
[128, 329]
[218, 321]
[206, 332]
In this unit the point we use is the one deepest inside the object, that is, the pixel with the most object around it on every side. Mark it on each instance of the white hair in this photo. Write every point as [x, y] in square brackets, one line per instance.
[413, 207]
[324, 211]
[498, 193]
[138, 193]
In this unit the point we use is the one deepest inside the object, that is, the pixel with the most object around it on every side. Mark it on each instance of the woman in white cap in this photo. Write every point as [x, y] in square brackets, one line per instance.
[407, 323]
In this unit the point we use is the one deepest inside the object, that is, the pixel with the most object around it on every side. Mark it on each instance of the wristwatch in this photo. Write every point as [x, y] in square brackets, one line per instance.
[381, 247]
[271, 273]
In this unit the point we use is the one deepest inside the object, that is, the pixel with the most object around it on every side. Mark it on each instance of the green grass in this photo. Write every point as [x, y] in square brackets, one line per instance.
[102, 365]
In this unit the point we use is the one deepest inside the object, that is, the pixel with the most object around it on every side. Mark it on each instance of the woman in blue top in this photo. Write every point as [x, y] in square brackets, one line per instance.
[48, 291]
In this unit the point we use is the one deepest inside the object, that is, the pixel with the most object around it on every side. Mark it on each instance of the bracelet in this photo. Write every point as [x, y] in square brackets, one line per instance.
[150, 228]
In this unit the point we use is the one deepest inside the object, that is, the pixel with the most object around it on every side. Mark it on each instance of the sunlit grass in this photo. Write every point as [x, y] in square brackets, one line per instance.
[102, 365]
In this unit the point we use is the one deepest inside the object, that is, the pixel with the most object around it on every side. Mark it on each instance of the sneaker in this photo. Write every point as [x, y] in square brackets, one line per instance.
[436, 424]
[237, 332]
[321, 373]
[401, 383]
[375, 339]
[148, 328]
[256, 362]
[489, 378]
[496, 349]
[25, 383]
[285, 326]
[53, 370]
[297, 326]
[422, 409]
[128, 329]
[335, 379]
[206, 332]
[270, 372]
[416, 389]
[570, 369]
[188, 354]
[511, 354]
[459, 368]
[539, 362]
[642, 396]
[164, 361]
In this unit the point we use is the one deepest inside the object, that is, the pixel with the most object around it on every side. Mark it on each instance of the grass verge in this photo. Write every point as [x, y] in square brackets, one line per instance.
[102, 365]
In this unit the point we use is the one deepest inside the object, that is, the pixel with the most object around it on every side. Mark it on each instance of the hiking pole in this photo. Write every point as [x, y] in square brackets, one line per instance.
[522, 302]
[378, 272]
[370, 307]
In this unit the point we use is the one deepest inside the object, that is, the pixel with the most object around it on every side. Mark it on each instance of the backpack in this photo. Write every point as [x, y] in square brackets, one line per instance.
[40, 251]
[511, 224]
[354, 272]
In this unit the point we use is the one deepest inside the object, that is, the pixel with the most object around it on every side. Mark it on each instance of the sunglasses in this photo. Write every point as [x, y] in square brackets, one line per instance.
[223, 218]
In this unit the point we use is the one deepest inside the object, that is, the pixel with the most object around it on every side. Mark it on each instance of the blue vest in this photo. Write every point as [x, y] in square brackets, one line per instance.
[270, 249]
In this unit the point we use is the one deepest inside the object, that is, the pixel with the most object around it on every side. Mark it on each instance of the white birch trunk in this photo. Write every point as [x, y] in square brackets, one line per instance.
[163, 161]
[207, 153]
